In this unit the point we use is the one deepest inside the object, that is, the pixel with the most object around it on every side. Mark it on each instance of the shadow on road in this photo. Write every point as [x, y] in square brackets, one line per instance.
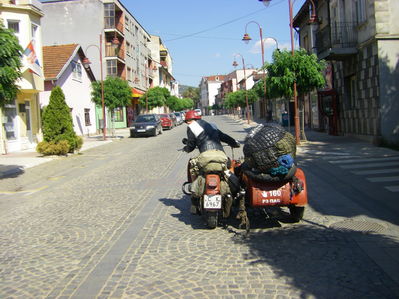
[184, 215]
[320, 261]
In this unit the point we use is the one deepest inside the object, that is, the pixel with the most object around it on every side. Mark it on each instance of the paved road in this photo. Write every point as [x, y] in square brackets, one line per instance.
[113, 223]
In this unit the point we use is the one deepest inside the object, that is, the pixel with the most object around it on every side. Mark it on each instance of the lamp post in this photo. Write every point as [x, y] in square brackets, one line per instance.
[313, 19]
[246, 38]
[245, 82]
[86, 63]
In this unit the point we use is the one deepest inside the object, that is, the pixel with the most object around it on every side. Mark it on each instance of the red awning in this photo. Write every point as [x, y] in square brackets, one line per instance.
[136, 93]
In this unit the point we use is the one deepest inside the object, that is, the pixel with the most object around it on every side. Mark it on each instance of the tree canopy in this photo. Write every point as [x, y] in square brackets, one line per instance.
[155, 97]
[303, 68]
[117, 92]
[192, 93]
[10, 64]
[239, 98]
[176, 104]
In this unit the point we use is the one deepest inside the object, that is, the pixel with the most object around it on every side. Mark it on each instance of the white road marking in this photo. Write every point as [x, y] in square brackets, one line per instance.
[364, 160]
[376, 171]
[384, 179]
[370, 165]
[392, 188]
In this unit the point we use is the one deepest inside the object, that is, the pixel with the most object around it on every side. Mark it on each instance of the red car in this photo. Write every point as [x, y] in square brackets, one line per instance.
[166, 121]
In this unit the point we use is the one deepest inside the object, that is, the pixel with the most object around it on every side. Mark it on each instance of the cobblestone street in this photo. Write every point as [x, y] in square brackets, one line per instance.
[112, 222]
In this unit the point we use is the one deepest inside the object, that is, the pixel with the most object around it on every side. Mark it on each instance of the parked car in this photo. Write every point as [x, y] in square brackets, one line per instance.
[179, 117]
[166, 120]
[146, 125]
[173, 117]
[198, 111]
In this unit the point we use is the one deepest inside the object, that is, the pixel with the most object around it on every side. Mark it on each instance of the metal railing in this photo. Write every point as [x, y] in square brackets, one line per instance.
[336, 35]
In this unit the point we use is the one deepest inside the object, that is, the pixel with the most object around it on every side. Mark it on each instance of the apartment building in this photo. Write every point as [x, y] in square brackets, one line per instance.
[161, 64]
[209, 89]
[359, 39]
[106, 24]
[21, 123]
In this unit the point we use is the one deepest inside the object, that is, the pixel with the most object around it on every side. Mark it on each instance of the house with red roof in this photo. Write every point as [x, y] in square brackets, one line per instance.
[63, 67]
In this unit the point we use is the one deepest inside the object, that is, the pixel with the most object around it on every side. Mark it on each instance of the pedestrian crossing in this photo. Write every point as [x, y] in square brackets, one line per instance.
[378, 170]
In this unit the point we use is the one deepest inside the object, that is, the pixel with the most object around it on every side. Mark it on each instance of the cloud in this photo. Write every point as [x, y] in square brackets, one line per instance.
[217, 55]
[270, 43]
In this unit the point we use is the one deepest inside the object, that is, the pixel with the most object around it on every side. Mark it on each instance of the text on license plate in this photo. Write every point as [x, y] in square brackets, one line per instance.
[212, 201]
[140, 130]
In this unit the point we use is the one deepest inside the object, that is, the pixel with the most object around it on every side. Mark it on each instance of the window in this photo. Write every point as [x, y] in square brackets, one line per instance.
[34, 29]
[127, 24]
[360, 11]
[13, 25]
[87, 117]
[351, 92]
[76, 71]
[127, 48]
[10, 123]
[112, 69]
[109, 15]
[129, 74]
[118, 114]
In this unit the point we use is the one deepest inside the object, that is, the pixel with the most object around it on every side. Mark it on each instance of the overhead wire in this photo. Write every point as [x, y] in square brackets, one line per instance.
[223, 24]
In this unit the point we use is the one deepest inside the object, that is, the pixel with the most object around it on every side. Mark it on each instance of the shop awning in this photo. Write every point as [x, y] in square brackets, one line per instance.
[136, 93]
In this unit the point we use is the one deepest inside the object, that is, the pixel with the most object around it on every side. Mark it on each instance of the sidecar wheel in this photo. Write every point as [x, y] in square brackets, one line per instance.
[296, 213]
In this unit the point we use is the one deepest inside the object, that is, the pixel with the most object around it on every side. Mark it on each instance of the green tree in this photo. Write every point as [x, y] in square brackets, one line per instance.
[155, 97]
[10, 64]
[239, 98]
[57, 122]
[173, 103]
[117, 93]
[192, 93]
[303, 68]
[187, 103]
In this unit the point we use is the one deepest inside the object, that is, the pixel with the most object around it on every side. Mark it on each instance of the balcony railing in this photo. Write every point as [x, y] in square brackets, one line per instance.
[110, 23]
[110, 51]
[336, 35]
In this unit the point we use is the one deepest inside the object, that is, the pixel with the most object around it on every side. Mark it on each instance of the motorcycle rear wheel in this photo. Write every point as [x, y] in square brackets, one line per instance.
[296, 213]
[211, 219]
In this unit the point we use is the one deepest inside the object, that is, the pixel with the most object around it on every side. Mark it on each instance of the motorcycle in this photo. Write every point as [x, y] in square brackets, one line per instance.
[214, 199]
[262, 191]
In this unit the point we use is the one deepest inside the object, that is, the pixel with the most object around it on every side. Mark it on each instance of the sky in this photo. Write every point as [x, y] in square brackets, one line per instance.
[204, 37]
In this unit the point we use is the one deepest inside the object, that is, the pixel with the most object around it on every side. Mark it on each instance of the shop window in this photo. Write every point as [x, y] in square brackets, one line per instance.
[10, 121]
[118, 114]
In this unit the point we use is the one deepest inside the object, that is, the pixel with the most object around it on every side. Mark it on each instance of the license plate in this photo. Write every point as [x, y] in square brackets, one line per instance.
[212, 201]
[140, 130]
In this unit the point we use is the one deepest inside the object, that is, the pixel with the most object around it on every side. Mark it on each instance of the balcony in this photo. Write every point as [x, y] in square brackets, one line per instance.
[337, 41]
[110, 51]
[110, 24]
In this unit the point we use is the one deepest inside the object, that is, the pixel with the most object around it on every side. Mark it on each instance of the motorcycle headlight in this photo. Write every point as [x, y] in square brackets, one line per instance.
[150, 127]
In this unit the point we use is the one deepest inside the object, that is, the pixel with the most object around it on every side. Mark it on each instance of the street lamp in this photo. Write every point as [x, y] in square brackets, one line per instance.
[246, 38]
[86, 62]
[313, 19]
[245, 82]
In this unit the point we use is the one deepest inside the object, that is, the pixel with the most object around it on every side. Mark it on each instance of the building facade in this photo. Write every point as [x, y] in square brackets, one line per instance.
[99, 23]
[209, 89]
[21, 121]
[359, 39]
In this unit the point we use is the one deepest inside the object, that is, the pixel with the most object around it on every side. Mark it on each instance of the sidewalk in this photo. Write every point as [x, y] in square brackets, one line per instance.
[17, 162]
